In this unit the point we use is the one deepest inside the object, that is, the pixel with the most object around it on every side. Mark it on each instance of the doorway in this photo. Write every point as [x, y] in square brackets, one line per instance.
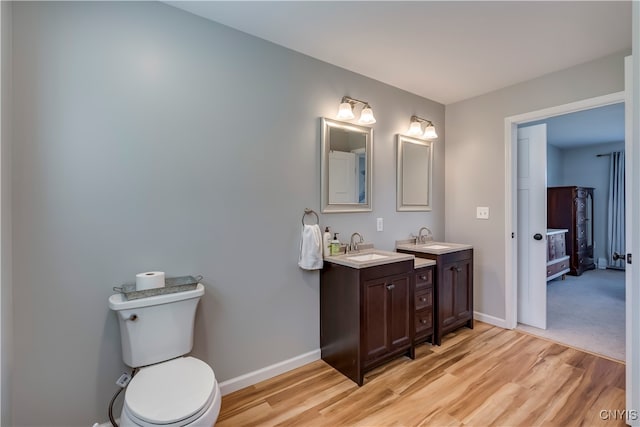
[586, 300]
[511, 240]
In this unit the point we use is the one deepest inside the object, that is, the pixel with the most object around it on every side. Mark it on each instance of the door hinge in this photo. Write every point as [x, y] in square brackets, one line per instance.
[513, 235]
[628, 258]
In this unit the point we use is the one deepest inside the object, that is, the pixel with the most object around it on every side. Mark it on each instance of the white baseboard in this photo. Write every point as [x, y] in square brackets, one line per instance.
[492, 320]
[267, 372]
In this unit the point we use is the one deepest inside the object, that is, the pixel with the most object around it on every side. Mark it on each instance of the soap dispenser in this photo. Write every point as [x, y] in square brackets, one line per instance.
[335, 245]
[326, 242]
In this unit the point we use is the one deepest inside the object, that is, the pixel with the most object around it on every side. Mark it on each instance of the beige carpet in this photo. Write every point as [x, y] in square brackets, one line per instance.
[587, 312]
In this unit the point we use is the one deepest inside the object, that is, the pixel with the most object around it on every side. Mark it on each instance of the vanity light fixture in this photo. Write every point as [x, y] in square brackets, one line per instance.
[415, 128]
[345, 111]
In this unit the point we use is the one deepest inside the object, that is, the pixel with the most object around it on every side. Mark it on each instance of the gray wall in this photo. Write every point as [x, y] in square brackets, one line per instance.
[554, 166]
[148, 138]
[582, 167]
[475, 162]
[6, 291]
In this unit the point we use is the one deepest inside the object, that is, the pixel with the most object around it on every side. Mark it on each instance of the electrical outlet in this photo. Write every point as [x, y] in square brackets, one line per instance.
[379, 224]
[482, 212]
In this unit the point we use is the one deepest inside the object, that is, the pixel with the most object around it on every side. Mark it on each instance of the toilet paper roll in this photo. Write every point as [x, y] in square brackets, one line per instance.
[149, 280]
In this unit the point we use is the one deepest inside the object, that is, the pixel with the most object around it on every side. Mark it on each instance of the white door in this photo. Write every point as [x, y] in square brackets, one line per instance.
[532, 226]
[632, 279]
[343, 182]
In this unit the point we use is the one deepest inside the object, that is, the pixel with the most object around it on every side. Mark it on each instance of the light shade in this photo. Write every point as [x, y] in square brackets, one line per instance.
[430, 132]
[415, 129]
[345, 111]
[366, 116]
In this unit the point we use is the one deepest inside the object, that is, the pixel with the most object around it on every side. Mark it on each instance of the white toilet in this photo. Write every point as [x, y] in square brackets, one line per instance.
[170, 389]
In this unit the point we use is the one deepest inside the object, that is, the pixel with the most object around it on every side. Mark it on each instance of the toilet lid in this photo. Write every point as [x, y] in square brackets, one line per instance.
[170, 391]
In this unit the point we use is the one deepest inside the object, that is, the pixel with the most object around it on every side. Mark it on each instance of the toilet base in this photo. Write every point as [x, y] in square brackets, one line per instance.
[208, 418]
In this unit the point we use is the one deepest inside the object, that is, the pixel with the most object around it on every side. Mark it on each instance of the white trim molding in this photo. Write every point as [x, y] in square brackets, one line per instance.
[251, 378]
[492, 320]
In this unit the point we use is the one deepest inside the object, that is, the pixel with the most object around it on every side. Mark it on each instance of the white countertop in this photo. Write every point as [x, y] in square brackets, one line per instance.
[423, 262]
[433, 248]
[350, 259]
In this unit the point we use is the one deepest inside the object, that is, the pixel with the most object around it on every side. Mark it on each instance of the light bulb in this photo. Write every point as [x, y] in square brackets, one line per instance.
[366, 116]
[345, 111]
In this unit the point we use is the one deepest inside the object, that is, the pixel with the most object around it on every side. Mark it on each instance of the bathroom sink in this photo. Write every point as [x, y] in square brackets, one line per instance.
[367, 257]
[436, 246]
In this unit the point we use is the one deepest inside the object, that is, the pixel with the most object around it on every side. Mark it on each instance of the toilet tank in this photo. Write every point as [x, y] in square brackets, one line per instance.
[158, 328]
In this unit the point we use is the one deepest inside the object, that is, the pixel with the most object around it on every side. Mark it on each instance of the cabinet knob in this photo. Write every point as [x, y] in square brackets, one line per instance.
[391, 287]
[458, 269]
[423, 277]
[423, 321]
[423, 299]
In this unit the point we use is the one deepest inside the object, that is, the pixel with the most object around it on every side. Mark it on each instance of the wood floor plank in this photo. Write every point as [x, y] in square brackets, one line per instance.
[480, 377]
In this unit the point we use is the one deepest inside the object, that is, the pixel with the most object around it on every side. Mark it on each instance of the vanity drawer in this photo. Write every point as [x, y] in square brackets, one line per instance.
[424, 321]
[424, 298]
[424, 277]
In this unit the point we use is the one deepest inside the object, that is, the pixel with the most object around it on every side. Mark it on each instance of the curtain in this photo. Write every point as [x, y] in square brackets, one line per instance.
[615, 213]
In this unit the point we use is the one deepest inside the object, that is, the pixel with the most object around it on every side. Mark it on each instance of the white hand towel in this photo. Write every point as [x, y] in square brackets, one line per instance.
[311, 248]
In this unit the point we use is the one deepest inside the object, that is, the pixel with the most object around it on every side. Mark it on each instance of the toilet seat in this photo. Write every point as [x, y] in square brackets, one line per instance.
[171, 394]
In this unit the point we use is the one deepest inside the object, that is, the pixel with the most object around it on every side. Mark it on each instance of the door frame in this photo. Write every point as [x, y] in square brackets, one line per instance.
[511, 211]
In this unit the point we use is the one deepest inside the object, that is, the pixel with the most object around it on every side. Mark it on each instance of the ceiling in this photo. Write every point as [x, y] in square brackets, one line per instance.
[446, 51]
[595, 126]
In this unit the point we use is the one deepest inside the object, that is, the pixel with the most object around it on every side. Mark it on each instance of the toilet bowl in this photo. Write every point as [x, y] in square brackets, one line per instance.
[179, 392]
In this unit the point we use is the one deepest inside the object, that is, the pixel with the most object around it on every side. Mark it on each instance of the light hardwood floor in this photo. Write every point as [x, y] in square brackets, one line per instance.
[480, 377]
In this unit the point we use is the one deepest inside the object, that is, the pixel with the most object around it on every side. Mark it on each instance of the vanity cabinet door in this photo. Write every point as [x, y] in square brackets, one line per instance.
[400, 312]
[376, 318]
[455, 296]
[446, 297]
[462, 293]
[387, 316]
[454, 293]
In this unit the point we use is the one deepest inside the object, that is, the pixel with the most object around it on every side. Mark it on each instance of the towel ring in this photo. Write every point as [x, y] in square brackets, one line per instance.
[308, 211]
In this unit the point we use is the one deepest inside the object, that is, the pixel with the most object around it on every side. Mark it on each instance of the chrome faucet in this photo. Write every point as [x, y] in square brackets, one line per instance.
[353, 246]
[425, 238]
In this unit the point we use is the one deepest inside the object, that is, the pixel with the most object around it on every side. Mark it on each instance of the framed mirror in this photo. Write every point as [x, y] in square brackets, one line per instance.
[346, 167]
[415, 159]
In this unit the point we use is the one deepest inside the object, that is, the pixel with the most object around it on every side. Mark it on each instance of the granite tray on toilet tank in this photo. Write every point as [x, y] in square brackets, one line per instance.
[171, 285]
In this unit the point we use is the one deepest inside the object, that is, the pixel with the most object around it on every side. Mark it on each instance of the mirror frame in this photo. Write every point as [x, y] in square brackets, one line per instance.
[325, 127]
[400, 206]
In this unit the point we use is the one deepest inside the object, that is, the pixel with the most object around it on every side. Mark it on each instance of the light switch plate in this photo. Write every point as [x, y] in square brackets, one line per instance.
[482, 212]
[379, 224]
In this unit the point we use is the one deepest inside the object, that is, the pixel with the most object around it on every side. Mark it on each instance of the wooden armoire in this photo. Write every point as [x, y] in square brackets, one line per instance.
[572, 208]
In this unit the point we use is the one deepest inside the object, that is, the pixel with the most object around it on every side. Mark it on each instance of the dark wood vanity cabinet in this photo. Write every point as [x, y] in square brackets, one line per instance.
[423, 304]
[571, 208]
[453, 291]
[365, 316]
